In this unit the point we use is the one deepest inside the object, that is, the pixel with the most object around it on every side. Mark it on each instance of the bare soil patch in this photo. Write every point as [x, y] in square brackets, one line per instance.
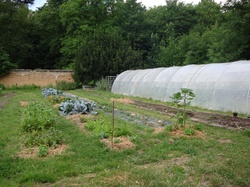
[6, 97]
[177, 161]
[24, 103]
[33, 151]
[158, 130]
[120, 178]
[123, 100]
[208, 118]
[225, 141]
[180, 132]
[79, 120]
[122, 143]
[56, 105]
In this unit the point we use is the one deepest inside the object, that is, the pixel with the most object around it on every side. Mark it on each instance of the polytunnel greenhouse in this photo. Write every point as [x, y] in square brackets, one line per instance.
[220, 86]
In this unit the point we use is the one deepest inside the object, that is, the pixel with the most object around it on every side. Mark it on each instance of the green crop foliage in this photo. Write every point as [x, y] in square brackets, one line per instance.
[38, 125]
[103, 124]
[182, 99]
[36, 117]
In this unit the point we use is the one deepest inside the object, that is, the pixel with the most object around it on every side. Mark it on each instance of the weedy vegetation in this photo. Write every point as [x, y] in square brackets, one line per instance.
[220, 158]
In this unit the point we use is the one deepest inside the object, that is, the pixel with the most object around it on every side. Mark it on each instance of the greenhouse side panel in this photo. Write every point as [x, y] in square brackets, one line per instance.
[220, 86]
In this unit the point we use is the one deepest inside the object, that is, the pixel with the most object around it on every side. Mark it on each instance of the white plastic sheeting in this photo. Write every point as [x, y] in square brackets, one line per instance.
[220, 86]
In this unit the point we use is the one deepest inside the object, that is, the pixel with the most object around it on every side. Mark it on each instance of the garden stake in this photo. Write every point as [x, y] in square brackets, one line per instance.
[112, 134]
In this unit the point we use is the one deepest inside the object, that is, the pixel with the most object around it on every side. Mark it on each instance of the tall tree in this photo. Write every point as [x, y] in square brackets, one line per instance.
[104, 53]
[180, 19]
[238, 22]
[47, 35]
[80, 18]
[15, 32]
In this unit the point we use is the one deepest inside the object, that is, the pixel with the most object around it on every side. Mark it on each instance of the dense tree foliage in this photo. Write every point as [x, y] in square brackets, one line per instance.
[97, 38]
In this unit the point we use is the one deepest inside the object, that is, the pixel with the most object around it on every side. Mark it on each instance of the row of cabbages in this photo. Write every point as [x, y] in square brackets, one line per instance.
[71, 106]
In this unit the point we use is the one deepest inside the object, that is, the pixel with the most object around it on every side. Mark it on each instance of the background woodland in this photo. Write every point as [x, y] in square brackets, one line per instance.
[97, 38]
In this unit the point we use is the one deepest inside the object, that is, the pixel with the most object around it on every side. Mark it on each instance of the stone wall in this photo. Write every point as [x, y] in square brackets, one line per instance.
[20, 77]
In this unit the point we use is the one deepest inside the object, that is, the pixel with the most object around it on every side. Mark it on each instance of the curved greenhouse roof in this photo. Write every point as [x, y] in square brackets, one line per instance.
[224, 86]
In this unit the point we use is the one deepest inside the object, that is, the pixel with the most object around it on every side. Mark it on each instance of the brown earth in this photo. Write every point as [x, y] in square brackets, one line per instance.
[122, 143]
[33, 151]
[209, 118]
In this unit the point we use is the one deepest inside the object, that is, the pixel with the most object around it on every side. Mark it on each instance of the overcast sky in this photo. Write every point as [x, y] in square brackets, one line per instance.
[147, 3]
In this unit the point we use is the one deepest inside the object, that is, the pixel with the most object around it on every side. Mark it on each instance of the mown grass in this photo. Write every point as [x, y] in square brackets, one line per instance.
[220, 159]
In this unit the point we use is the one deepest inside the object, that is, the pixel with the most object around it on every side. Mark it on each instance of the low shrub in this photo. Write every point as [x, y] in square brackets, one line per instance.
[102, 85]
[64, 85]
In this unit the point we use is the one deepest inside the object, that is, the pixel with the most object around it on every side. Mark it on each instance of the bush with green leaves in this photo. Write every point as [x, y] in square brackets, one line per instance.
[38, 125]
[64, 85]
[182, 99]
[6, 65]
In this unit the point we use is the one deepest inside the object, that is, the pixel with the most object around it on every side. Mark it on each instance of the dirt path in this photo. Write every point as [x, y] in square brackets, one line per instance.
[6, 97]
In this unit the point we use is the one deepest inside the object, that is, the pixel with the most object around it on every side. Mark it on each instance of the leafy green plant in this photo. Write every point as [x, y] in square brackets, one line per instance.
[91, 83]
[182, 99]
[189, 131]
[198, 127]
[43, 151]
[100, 125]
[36, 116]
[38, 126]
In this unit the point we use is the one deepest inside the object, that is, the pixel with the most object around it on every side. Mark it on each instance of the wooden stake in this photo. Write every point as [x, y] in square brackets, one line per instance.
[113, 125]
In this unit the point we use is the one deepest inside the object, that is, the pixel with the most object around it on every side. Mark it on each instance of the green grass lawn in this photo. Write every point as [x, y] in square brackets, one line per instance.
[221, 158]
